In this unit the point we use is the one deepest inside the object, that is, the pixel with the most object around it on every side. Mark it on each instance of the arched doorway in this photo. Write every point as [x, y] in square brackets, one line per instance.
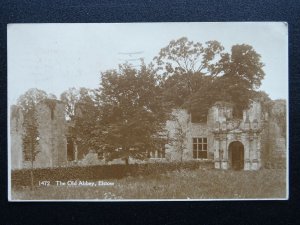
[236, 155]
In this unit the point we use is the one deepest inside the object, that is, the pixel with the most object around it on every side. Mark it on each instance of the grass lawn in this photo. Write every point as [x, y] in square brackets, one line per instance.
[185, 184]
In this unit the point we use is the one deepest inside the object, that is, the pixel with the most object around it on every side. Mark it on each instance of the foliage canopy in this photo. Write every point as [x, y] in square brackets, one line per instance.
[133, 113]
[125, 117]
[197, 75]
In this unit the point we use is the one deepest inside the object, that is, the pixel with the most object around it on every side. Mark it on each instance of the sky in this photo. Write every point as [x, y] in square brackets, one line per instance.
[56, 57]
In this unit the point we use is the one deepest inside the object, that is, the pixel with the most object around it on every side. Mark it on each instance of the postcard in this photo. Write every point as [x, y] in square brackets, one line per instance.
[185, 111]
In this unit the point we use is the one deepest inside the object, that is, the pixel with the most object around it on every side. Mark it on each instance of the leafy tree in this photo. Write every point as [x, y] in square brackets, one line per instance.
[70, 98]
[195, 76]
[28, 102]
[184, 56]
[87, 121]
[31, 98]
[82, 112]
[241, 75]
[185, 67]
[132, 112]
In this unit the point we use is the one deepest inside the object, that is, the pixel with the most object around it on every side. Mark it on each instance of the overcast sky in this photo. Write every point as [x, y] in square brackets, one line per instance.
[55, 57]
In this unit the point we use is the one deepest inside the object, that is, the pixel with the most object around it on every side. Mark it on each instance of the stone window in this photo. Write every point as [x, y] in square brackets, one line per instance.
[159, 153]
[198, 118]
[200, 148]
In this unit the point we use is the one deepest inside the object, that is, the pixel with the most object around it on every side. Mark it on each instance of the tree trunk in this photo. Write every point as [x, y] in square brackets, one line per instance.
[31, 171]
[126, 161]
[180, 163]
[31, 175]
[181, 155]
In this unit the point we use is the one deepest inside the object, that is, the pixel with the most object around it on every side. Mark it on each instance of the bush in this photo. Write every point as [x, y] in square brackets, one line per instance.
[22, 177]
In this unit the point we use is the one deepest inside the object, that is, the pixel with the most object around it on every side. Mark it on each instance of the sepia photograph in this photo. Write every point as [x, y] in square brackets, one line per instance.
[181, 111]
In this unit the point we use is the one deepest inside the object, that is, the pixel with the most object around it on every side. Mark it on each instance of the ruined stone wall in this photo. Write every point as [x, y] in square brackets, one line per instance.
[220, 130]
[219, 118]
[278, 128]
[52, 144]
[52, 134]
[16, 137]
[253, 125]
[181, 123]
[225, 129]
[274, 135]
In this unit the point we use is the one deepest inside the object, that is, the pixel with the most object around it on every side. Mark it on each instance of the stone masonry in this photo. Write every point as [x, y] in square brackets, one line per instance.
[230, 143]
[52, 140]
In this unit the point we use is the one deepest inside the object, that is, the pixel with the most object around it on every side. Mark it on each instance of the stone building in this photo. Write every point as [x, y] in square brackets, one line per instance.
[16, 137]
[247, 143]
[52, 143]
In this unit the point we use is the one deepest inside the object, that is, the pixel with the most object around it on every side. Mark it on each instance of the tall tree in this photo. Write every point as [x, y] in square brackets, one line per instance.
[31, 98]
[28, 102]
[236, 77]
[70, 98]
[82, 112]
[133, 113]
[197, 75]
[184, 56]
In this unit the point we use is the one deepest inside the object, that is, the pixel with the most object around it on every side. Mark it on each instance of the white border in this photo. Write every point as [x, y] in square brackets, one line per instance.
[158, 200]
